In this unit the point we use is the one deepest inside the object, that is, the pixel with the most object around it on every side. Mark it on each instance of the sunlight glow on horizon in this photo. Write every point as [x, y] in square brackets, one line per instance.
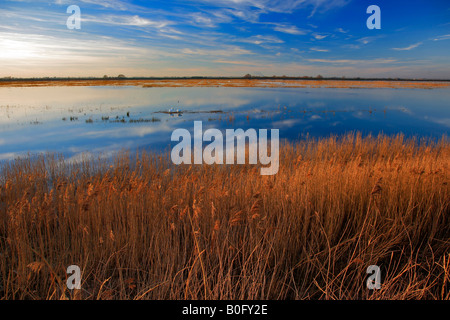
[222, 38]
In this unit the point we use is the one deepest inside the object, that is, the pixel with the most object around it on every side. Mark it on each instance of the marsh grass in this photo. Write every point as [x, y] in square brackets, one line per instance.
[144, 229]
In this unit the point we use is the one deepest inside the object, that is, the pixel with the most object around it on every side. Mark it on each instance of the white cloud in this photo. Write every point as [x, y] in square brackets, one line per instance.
[11, 155]
[290, 29]
[319, 50]
[296, 50]
[341, 30]
[203, 20]
[353, 61]
[287, 123]
[262, 39]
[111, 4]
[324, 5]
[225, 51]
[246, 63]
[134, 21]
[319, 36]
[361, 42]
[365, 40]
[140, 131]
[415, 45]
[251, 10]
[442, 121]
[443, 37]
[118, 5]
[282, 6]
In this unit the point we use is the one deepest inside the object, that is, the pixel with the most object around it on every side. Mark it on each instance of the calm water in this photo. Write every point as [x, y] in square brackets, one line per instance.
[103, 120]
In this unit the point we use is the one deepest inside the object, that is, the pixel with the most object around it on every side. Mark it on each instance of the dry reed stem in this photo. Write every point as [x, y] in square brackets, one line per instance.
[145, 229]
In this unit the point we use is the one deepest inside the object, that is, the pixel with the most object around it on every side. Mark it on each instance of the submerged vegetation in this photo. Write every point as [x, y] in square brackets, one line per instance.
[141, 228]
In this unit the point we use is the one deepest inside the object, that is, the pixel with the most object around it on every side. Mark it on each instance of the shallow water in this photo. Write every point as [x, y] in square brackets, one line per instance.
[105, 119]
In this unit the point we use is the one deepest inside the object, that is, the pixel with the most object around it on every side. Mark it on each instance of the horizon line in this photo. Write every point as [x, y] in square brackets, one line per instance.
[246, 77]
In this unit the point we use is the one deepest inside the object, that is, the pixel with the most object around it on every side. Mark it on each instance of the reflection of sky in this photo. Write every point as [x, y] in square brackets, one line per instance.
[38, 119]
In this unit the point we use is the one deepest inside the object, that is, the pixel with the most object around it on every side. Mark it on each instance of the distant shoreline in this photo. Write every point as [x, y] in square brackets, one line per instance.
[123, 78]
[282, 82]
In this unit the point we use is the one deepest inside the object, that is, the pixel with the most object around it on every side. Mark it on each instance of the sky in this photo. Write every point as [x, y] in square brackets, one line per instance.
[225, 38]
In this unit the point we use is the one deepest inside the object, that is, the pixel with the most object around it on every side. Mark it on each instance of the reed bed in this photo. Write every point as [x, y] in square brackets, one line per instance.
[141, 228]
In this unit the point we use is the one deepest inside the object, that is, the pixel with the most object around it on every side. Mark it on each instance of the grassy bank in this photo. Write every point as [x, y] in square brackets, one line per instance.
[143, 229]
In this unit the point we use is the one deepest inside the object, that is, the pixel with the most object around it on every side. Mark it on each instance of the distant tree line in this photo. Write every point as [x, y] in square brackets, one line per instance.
[246, 76]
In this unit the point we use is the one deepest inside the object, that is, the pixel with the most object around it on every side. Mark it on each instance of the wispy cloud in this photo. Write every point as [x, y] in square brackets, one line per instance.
[290, 29]
[361, 42]
[353, 61]
[280, 6]
[203, 20]
[319, 50]
[415, 45]
[245, 63]
[443, 37]
[341, 30]
[324, 5]
[211, 37]
[261, 39]
[117, 5]
[111, 4]
[226, 51]
[366, 40]
[125, 20]
[319, 36]
[442, 121]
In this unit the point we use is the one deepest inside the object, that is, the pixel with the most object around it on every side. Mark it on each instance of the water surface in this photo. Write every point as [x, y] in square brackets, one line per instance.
[105, 119]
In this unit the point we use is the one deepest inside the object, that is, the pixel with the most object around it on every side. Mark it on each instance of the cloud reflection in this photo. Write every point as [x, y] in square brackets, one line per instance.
[110, 119]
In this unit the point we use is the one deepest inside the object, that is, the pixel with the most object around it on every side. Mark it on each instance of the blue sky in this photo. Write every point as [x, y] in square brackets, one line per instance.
[225, 38]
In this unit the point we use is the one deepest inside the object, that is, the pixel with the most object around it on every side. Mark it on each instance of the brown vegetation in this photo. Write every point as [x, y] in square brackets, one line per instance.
[144, 229]
[263, 83]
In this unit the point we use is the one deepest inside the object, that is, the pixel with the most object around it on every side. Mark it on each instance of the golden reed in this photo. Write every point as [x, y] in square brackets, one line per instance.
[142, 228]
